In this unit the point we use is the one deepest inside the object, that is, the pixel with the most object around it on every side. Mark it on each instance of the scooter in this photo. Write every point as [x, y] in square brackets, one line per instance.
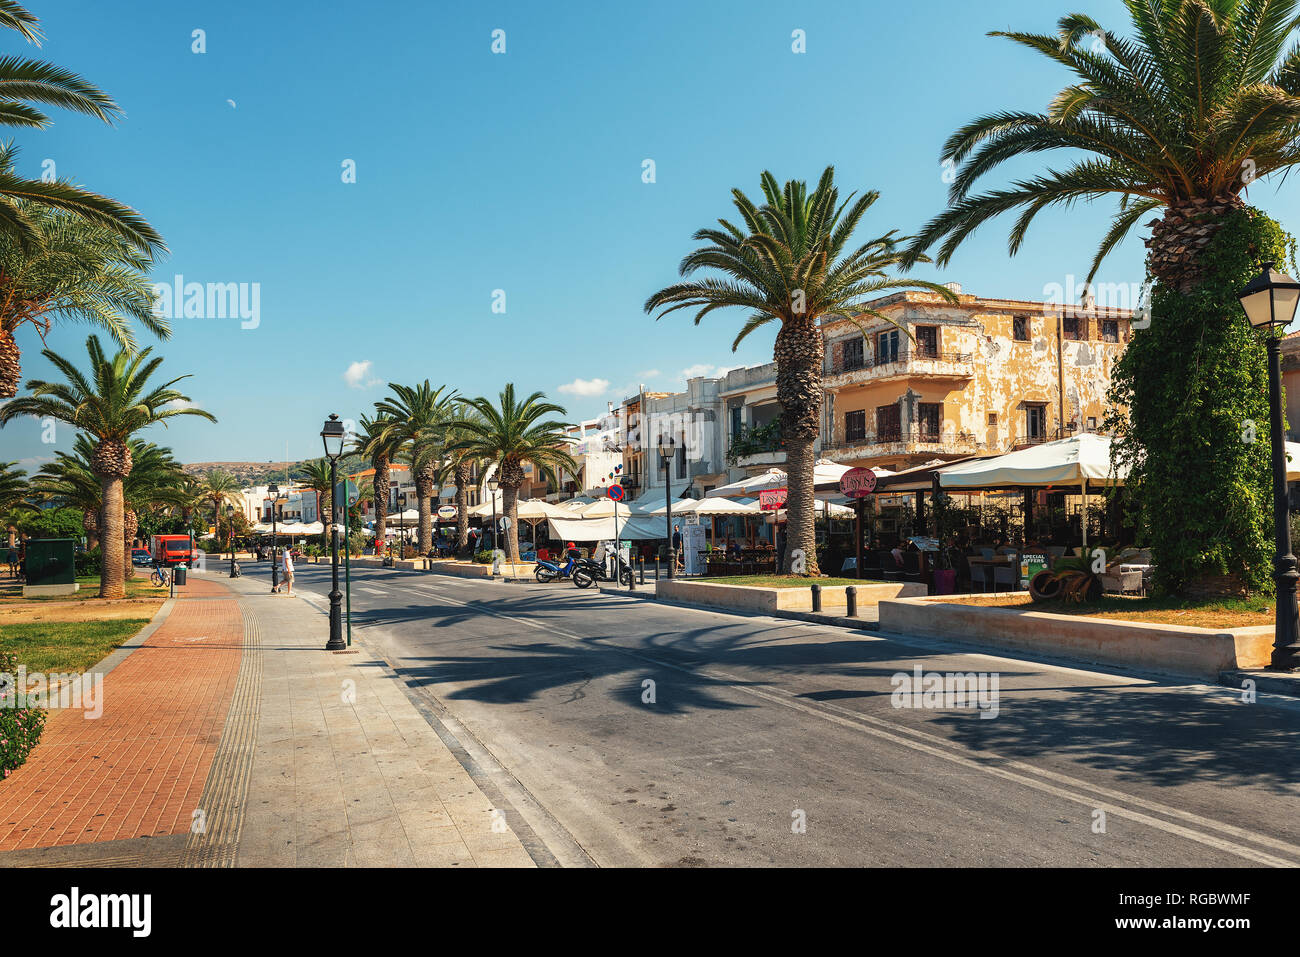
[550, 571]
[589, 572]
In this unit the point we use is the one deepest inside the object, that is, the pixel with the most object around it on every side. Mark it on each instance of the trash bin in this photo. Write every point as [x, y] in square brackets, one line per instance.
[178, 574]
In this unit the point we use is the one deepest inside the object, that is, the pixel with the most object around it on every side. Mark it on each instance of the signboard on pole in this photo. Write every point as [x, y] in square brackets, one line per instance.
[615, 492]
[858, 483]
[769, 500]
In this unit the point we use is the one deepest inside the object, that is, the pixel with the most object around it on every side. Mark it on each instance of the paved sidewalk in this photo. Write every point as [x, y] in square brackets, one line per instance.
[230, 738]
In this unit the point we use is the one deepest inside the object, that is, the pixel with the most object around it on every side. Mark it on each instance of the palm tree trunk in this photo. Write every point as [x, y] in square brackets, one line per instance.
[462, 478]
[90, 522]
[112, 582]
[382, 485]
[512, 476]
[799, 352]
[423, 493]
[10, 369]
[130, 525]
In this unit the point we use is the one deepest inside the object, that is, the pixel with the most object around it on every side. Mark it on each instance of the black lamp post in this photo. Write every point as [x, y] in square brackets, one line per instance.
[493, 485]
[1270, 301]
[230, 532]
[664, 449]
[401, 525]
[332, 437]
[273, 490]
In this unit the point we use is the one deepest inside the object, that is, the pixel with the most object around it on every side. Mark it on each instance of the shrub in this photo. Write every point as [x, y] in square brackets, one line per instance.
[88, 563]
[20, 728]
[484, 557]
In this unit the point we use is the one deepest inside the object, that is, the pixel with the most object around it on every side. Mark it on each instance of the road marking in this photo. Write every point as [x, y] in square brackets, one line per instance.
[949, 751]
[372, 591]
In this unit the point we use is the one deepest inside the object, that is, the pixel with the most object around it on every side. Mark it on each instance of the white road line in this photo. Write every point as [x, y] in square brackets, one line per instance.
[948, 751]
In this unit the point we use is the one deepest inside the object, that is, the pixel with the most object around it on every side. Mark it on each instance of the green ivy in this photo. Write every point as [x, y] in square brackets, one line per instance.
[1187, 398]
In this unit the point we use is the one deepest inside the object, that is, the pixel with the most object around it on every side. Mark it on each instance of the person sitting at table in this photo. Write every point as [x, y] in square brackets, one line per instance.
[897, 552]
[733, 548]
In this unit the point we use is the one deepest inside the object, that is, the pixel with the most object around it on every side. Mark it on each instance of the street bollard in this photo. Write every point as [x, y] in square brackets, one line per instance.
[851, 597]
[817, 597]
[642, 564]
[656, 568]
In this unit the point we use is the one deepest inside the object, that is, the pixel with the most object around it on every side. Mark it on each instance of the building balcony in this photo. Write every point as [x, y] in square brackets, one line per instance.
[901, 442]
[911, 363]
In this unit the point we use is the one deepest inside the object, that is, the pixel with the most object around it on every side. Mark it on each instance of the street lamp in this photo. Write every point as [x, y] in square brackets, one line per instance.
[273, 490]
[332, 437]
[401, 525]
[230, 534]
[493, 485]
[664, 449]
[1270, 301]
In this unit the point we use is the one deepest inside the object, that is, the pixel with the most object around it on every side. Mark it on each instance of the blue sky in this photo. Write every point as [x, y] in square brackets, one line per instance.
[519, 172]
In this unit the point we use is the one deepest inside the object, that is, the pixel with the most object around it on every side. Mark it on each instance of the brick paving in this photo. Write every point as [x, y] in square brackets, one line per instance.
[139, 769]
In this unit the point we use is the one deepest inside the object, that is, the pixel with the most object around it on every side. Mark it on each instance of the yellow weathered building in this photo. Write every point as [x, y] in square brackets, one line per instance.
[978, 376]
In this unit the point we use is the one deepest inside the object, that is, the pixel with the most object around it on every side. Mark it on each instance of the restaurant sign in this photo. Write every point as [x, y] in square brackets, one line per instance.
[858, 483]
[769, 500]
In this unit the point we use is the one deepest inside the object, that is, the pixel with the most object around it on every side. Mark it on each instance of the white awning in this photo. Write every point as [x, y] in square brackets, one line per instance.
[1079, 460]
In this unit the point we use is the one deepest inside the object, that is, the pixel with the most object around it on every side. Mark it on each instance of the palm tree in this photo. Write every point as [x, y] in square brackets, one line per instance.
[24, 82]
[315, 475]
[458, 465]
[217, 488]
[419, 415]
[68, 481]
[379, 440]
[14, 490]
[1178, 119]
[112, 403]
[511, 434]
[790, 264]
[80, 271]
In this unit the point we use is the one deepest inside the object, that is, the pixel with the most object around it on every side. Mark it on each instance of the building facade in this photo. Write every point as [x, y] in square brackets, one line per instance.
[976, 377]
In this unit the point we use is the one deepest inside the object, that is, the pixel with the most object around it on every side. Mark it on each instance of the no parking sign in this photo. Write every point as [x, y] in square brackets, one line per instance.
[615, 492]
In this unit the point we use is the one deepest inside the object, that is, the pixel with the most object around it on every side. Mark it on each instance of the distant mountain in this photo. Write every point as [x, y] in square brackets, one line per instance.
[248, 473]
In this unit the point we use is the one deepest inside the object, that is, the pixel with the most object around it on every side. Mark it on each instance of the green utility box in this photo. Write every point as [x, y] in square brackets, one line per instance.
[51, 567]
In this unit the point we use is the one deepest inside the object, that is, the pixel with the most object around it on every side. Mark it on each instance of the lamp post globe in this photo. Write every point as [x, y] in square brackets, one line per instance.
[332, 436]
[1270, 301]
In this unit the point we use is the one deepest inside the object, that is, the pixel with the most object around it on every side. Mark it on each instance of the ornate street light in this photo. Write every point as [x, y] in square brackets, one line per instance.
[273, 490]
[230, 534]
[493, 484]
[401, 524]
[665, 449]
[332, 437]
[1270, 301]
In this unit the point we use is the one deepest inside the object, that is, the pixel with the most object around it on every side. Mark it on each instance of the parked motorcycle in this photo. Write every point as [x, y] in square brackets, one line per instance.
[588, 572]
[550, 571]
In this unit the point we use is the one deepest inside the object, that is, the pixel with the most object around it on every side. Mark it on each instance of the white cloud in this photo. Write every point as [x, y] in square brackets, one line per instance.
[180, 404]
[585, 387]
[359, 376]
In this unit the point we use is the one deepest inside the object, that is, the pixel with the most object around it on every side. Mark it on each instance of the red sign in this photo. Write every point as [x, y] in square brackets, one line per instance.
[769, 500]
[858, 483]
[615, 492]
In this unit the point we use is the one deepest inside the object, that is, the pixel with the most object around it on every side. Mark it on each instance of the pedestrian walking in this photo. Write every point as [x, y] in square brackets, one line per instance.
[287, 581]
[11, 557]
[677, 544]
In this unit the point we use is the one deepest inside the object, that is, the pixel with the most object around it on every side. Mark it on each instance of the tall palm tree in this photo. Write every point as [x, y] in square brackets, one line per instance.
[80, 271]
[315, 475]
[379, 440]
[791, 264]
[111, 403]
[24, 82]
[1177, 119]
[512, 433]
[458, 465]
[420, 415]
[217, 488]
[68, 481]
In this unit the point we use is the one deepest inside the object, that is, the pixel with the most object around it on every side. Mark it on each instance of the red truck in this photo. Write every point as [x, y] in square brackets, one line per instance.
[172, 550]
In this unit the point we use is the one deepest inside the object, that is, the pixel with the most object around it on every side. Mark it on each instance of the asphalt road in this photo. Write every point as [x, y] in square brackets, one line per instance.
[762, 741]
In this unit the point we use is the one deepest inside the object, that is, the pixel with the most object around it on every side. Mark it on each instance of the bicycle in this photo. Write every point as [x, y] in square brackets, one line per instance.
[161, 576]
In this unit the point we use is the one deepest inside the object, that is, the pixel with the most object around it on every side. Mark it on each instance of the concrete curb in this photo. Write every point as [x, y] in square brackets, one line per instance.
[1269, 682]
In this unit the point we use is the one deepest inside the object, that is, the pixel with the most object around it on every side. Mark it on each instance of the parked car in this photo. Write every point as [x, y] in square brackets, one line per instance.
[141, 557]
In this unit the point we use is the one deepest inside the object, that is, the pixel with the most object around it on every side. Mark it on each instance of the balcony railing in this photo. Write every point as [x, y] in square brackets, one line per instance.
[899, 360]
[935, 440]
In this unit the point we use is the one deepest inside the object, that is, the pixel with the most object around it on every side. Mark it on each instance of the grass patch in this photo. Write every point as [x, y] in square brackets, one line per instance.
[66, 645]
[785, 581]
[135, 588]
[1210, 613]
